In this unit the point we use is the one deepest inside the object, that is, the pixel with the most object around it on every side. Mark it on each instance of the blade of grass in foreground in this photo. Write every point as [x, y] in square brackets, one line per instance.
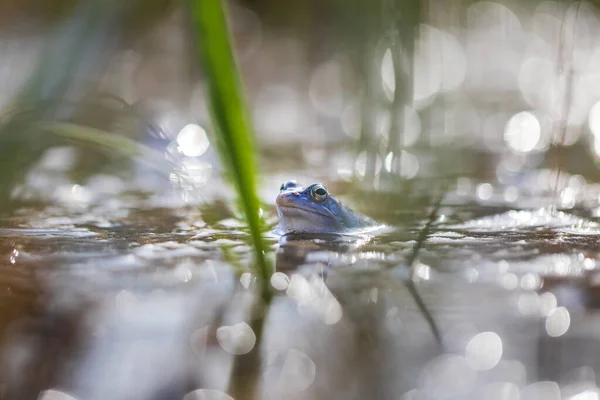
[233, 132]
[234, 142]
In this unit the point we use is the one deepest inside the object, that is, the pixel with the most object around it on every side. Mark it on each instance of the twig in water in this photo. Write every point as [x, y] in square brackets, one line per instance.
[410, 284]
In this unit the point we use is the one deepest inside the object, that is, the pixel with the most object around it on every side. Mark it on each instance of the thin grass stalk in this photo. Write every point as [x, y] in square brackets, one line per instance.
[234, 140]
[233, 136]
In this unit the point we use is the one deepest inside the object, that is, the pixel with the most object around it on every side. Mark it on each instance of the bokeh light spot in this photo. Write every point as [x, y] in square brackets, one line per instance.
[484, 351]
[236, 339]
[387, 73]
[280, 281]
[543, 390]
[594, 119]
[558, 322]
[192, 140]
[523, 132]
[297, 373]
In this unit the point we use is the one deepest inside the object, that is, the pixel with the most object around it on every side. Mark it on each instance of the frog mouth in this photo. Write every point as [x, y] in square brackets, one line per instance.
[296, 211]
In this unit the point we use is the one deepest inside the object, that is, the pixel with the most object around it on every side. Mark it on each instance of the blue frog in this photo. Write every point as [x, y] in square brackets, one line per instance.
[314, 210]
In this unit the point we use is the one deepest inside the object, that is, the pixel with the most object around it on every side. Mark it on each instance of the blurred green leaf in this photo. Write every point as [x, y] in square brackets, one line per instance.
[108, 142]
[76, 49]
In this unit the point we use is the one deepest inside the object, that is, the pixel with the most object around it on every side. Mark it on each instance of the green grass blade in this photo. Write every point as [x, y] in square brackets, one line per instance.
[233, 134]
[234, 141]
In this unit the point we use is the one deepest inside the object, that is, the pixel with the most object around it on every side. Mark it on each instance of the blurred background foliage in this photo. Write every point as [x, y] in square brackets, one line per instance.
[383, 92]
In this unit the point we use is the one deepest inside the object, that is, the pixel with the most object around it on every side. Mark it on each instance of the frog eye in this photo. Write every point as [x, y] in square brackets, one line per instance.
[282, 187]
[319, 193]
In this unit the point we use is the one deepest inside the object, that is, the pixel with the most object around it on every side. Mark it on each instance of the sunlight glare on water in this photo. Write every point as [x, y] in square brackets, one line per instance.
[522, 132]
[53, 394]
[192, 140]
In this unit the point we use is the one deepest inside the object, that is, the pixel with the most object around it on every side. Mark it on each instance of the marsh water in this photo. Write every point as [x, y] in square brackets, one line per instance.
[106, 295]
[121, 282]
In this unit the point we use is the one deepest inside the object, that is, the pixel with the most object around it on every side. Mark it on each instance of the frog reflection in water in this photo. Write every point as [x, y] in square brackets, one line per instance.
[314, 210]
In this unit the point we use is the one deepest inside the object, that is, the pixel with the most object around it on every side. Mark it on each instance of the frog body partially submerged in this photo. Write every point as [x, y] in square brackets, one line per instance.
[314, 210]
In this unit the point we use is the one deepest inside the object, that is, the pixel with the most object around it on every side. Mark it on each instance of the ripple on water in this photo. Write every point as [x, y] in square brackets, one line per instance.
[516, 219]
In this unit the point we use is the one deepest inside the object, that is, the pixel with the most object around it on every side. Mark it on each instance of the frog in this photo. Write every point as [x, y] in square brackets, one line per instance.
[313, 209]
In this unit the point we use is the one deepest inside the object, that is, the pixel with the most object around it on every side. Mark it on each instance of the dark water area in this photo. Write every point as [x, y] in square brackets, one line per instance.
[152, 304]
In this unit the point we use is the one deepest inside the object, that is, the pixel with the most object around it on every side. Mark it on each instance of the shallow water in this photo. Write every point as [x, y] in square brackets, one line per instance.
[151, 303]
